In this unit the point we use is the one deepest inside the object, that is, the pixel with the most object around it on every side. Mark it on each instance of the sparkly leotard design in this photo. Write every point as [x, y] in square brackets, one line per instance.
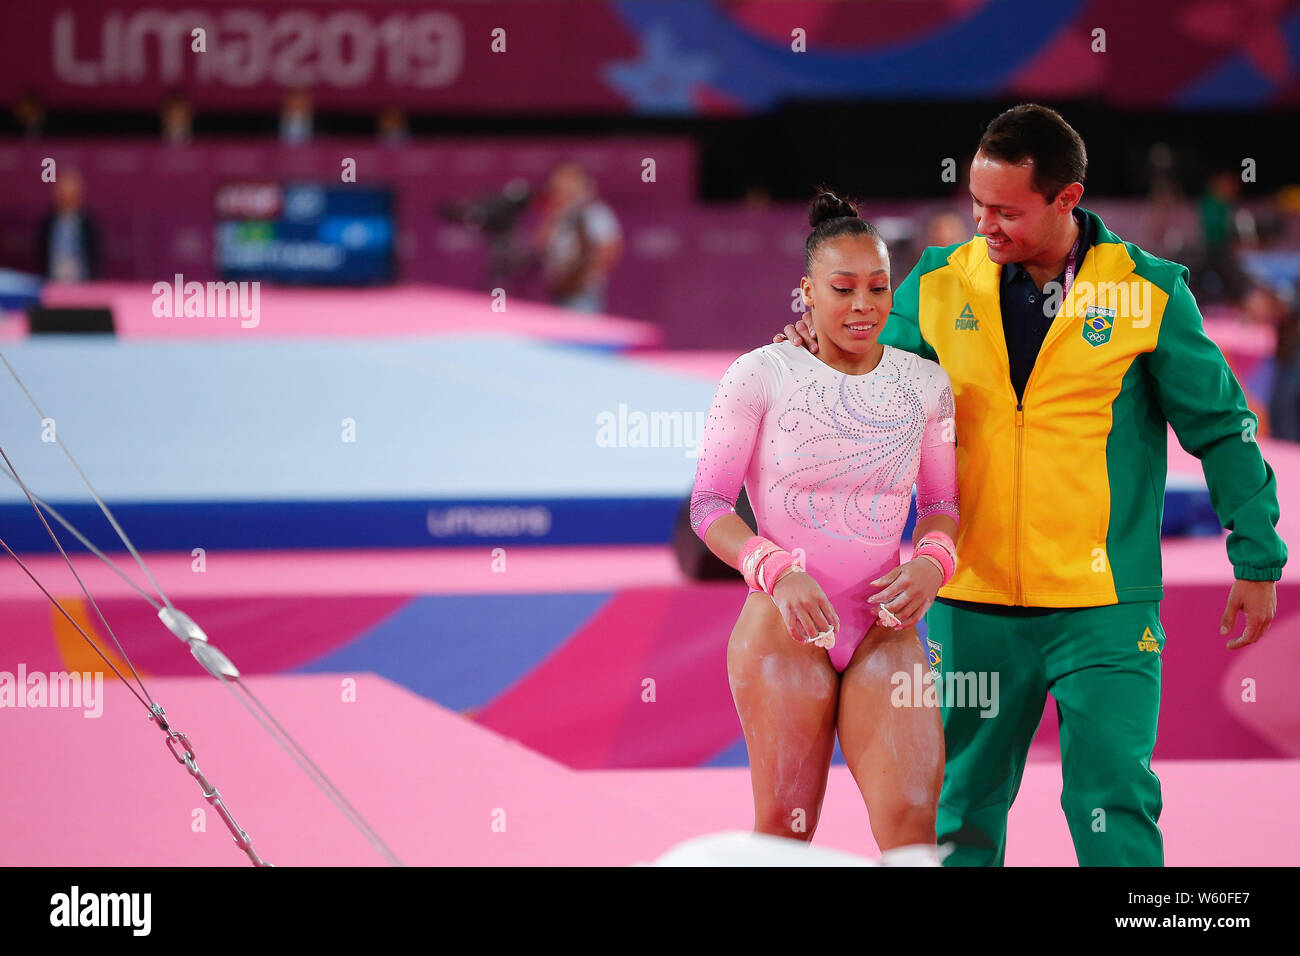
[828, 461]
[828, 477]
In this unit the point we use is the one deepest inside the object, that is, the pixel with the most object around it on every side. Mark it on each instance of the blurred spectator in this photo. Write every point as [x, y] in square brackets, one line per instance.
[946, 228]
[390, 124]
[495, 216]
[1288, 200]
[1162, 181]
[1223, 224]
[757, 196]
[579, 239]
[29, 114]
[1259, 306]
[68, 239]
[1218, 205]
[1263, 304]
[177, 118]
[296, 117]
[1165, 234]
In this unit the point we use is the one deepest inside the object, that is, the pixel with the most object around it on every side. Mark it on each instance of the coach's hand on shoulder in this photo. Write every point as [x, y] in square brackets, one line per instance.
[804, 607]
[801, 333]
[1258, 600]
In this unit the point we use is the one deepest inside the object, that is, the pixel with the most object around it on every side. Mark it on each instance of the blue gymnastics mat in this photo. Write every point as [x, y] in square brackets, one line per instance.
[345, 443]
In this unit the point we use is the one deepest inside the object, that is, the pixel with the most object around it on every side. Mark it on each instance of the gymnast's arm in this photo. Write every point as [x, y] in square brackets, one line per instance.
[937, 498]
[726, 447]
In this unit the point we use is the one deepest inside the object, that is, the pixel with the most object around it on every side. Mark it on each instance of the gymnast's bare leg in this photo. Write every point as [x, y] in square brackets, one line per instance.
[896, 753]
[786, 694]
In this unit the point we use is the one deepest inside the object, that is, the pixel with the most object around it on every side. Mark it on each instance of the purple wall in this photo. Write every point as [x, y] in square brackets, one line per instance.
[156, 201]
[711, 276]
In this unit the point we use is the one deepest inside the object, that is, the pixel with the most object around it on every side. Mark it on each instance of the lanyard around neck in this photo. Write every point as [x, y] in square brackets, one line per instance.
[1072, 262]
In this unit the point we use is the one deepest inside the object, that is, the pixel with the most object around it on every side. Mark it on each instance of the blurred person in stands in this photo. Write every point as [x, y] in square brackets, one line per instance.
[946, 228]
[29, 114]
[296, 117]
[1165, 199]
[1224, 227]
[1266, 305]
[177, 119]
[390, 126]
[757, 196]
[69, 239]
[579, 239]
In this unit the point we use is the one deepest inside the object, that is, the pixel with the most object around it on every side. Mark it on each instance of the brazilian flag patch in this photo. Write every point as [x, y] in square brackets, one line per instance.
[1098, 323]
[934, 656]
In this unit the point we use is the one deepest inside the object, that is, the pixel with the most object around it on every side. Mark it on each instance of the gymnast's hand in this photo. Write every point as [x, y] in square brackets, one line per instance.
[801, 333]
[805, 608]
[909, 590]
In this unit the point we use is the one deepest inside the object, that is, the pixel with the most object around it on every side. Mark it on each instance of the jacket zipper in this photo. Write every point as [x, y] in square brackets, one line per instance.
[1017, 595]
[1017, 586]
[1018, 589]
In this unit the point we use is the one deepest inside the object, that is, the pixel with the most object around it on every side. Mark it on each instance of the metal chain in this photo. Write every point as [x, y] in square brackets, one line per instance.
[210, 793]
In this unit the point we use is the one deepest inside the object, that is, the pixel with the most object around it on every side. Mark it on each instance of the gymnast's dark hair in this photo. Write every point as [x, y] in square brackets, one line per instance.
[832, 217]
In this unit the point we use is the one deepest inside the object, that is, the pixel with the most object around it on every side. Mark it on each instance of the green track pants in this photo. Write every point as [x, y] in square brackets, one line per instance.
[1102, 666]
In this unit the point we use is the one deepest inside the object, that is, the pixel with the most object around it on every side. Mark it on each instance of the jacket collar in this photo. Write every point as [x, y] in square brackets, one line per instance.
[1107, 259]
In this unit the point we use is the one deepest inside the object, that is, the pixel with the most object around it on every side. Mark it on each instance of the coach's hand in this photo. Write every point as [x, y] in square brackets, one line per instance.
[801, 333]
[909, 590]
[1258, 599]
[804, 606]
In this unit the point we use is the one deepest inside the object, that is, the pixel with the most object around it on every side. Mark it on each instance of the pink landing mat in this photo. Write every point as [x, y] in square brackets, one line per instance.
[402, 571]
[442, 790]
[369, 313]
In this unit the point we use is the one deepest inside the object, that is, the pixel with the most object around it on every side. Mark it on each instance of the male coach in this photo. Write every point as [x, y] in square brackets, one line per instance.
[1069, 351]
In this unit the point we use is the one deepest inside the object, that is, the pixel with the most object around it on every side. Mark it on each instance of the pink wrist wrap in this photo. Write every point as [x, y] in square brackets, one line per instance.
[939, 547]
[772, 569]
[751, 556]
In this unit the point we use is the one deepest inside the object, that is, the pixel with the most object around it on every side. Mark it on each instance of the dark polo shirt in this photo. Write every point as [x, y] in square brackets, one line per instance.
[1027, 311]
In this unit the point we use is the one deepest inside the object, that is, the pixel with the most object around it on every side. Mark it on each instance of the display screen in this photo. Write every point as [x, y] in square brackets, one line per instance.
[304, 233]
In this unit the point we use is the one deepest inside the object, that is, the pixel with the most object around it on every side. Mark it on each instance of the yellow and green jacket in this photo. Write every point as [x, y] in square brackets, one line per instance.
[1062, 493]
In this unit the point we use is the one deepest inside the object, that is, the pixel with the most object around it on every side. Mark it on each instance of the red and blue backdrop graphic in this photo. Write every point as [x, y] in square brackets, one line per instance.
[654, 56]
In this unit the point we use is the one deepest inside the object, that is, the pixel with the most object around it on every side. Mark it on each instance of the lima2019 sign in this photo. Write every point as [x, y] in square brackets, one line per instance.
[248, 47]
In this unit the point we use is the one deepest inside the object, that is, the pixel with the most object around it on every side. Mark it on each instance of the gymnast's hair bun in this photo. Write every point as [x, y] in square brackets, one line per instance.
[826, 205]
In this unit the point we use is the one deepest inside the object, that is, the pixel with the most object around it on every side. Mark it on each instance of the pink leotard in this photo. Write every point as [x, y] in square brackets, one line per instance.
[828, 461]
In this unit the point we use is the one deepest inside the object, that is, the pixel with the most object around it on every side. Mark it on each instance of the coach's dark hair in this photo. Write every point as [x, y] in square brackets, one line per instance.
[832, 217]
[1030, 131]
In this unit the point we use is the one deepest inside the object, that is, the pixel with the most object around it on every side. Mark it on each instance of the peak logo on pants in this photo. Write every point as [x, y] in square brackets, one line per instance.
[1148, 642]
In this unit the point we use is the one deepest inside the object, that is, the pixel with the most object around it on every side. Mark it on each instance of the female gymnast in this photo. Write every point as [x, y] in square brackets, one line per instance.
[828, 446]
